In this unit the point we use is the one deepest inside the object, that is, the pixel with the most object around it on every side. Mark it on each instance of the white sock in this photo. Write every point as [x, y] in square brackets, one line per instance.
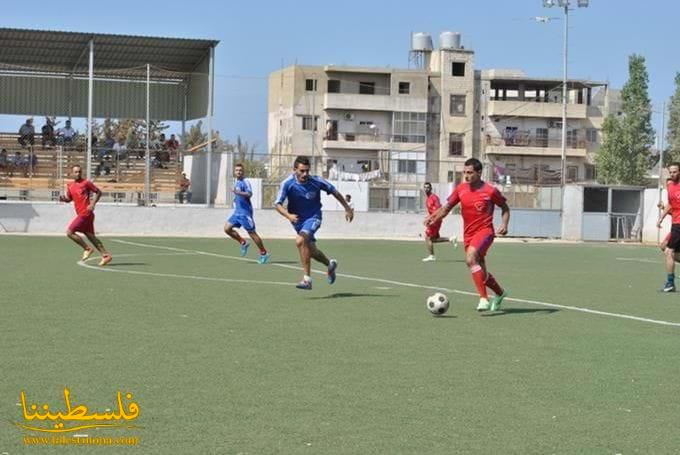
[307, 278]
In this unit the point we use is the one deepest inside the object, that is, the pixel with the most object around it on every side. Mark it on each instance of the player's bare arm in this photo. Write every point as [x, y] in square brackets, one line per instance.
[439, 214]
[665, 212]
[63, 198]
[289, 216]
[349, 211]
[97, 196]
[505, 219]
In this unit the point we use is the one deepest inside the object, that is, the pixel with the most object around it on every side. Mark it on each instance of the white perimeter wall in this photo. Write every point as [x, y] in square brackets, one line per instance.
[196, 221]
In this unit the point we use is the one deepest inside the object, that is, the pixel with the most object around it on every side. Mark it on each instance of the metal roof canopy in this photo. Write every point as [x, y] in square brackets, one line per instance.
[46, 72]
[117, 76]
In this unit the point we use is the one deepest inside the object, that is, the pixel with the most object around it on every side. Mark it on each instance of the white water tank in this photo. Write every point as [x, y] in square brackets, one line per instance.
[449, 40]
[421, 42]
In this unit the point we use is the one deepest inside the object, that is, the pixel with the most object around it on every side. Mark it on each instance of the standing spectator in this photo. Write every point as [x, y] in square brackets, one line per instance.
[48, 133]
[184, 185]
[27, 133]
[4, 160]
[67, 134]
[171, 145]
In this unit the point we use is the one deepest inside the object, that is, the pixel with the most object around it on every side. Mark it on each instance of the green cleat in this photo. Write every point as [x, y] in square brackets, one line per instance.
[496, 301]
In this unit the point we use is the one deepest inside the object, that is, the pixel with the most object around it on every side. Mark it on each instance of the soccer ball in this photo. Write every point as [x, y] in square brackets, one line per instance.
[438, 304]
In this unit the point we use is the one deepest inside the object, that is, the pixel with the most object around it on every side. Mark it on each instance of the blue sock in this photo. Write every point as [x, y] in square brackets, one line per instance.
[670, 278]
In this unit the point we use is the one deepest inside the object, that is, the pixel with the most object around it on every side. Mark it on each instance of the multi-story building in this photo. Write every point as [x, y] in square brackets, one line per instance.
[401, 127]
[522, 126]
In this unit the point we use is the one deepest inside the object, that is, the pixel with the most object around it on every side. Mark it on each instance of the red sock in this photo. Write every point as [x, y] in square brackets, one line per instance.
[493, 284]
[243, 241]
[263, 252]
[478, 278]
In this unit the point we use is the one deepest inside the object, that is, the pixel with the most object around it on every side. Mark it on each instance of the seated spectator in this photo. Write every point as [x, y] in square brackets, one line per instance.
[48, 133]
[67, 134]
[18, 163]
[104, 166]
[109, 142]
[4, 160]
[184, 185]
[27, 133]
[120, 149]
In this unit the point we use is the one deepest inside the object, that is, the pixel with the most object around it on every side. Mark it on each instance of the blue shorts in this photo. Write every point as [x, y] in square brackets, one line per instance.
[309, 227]
[242, 220]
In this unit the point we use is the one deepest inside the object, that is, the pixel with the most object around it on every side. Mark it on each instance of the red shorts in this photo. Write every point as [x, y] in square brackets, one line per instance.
[432, 231]
[82, 223]
[481, 241]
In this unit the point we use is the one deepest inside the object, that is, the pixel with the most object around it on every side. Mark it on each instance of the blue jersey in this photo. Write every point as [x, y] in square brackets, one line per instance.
[242, 205]
[304, 199]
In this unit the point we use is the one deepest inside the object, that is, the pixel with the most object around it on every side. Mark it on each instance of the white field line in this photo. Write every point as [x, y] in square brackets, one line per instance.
[173, 275]
[646, 261]
[405, 284]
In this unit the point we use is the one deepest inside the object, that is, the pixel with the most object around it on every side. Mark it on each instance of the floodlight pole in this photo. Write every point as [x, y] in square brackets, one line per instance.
[564, 94]
[147, 155]
[211, 76]
[90, 83]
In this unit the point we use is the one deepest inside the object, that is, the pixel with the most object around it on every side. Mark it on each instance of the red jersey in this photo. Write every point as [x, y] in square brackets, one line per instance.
[433, 203]
[476, 206]
[674, 200]
[80, 193]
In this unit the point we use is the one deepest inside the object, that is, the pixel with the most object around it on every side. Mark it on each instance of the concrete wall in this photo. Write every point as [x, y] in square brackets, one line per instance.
[572, 217]
[650, 234]
[197, 221]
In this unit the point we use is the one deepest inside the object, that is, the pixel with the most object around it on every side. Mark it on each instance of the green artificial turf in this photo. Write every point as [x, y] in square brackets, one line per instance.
[257, 366]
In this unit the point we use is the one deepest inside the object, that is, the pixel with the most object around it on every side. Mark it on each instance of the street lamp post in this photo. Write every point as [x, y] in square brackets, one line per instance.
[564, 4]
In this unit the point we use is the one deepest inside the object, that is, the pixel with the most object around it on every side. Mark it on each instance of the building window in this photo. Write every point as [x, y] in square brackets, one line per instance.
[410, 127]
[450, 176]
[572, 173]
[591, 135]
[572, 139]
[406, 203]
[367, 88]
[541, 137]
[458, 69]
[457, 106]
[591, 173]
[333, 86]
[406, 166]
[456, 142]
[310, 85]
[307, 122]
[404, 88]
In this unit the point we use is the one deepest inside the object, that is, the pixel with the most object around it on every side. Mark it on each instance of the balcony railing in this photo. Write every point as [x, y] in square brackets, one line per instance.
[527, 139]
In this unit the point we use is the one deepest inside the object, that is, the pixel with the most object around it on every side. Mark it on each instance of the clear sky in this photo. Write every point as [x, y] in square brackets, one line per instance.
[256, 37]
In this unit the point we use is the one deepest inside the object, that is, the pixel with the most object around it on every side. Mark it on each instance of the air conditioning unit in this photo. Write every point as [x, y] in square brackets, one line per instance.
[349, 116]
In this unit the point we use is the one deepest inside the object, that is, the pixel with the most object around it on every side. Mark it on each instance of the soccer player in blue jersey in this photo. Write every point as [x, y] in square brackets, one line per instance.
[303, 192]
[243, 216]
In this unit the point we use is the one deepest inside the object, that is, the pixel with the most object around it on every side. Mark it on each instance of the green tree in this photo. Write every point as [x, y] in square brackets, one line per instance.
[672, 152]
[623, 157]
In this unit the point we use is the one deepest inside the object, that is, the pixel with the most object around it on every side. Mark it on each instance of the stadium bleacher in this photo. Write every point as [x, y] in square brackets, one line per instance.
[125, 183]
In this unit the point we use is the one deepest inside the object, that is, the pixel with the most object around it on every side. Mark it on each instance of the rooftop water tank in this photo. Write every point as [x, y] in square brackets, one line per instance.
[449, 40]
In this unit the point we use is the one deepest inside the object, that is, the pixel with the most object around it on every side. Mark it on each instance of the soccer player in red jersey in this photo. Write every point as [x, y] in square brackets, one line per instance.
[432, 232]
[673, 242]
[79, 192]
[477, 199]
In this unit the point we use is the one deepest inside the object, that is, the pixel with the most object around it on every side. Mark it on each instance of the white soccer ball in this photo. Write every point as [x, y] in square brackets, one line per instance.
[438, 304]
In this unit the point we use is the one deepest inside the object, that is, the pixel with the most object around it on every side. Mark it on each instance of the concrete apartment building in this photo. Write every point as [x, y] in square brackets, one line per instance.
[400, 127]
